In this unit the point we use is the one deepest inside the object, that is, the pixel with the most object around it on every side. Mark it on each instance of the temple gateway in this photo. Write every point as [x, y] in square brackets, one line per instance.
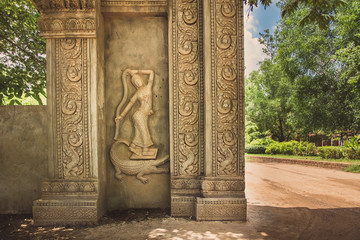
[146, 102]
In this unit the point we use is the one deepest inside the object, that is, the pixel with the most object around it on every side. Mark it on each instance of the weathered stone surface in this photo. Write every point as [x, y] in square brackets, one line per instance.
[221, 209]
[136, 90]
[23, 156]
[136, 43]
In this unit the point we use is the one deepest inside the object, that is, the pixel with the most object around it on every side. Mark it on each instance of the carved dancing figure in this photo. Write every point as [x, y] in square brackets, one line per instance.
[142, 141]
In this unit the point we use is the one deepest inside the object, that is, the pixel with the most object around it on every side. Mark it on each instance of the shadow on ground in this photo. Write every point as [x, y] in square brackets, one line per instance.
[304, 223]
[264, 222]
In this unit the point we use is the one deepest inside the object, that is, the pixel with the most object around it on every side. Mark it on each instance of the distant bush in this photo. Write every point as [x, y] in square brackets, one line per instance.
[255, 149]
[262, 141]
[291, 148]
[331, 152]
[352, 148]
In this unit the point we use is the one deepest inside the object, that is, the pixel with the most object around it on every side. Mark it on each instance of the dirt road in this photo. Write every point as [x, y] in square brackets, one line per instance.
[299, 202]
[285, 202]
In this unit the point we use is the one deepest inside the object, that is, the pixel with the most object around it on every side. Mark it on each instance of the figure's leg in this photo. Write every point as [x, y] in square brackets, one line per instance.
[135, 149]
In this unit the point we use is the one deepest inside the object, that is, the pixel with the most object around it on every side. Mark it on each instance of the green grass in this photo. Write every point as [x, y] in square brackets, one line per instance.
[313, 158]
[353, 168]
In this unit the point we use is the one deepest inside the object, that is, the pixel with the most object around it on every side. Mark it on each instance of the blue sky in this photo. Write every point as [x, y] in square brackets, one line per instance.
[256, 22]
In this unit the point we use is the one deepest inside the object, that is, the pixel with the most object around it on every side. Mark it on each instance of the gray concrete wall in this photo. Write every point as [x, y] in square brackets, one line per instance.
[23, 156]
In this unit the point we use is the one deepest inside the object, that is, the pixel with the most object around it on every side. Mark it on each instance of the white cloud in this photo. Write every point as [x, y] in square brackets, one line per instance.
[253, 49]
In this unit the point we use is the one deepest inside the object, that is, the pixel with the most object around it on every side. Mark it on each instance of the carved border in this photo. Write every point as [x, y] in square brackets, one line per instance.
[187, 40]
[227, 91]
[70, 25]
[72, 114]
[141, 3]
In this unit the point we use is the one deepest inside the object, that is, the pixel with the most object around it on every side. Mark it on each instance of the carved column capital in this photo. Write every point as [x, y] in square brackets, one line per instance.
[66, 18]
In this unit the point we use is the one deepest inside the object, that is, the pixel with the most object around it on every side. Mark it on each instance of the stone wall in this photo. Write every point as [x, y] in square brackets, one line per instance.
[323, 164]
[23, 156]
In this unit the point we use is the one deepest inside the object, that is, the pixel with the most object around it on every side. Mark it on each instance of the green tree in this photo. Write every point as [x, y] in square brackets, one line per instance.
[268, 101]
[22, 52]
[320, 12]
[322, 68]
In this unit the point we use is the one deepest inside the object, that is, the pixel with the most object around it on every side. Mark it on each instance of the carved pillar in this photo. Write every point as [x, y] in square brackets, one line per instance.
[223, 185]
[186, 99]
[72, 194]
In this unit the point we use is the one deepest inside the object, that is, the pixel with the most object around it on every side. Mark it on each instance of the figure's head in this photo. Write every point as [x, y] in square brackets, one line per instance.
[137, 81]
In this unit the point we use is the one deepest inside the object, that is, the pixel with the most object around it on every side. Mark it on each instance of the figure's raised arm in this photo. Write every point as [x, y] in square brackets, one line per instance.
[151, 75]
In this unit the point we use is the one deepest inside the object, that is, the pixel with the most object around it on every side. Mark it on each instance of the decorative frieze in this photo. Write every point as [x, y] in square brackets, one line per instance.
[227, 88]
[136, 6]
[61, 5]
[67, 26]
[134, 3]
[61, 187]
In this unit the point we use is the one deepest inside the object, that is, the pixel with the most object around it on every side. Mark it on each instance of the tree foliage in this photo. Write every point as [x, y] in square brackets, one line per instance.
[320, 12]
[319, 71]
[267, 97]
[22, 52]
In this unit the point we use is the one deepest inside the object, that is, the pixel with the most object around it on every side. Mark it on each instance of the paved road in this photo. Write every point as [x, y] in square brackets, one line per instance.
[299, 202]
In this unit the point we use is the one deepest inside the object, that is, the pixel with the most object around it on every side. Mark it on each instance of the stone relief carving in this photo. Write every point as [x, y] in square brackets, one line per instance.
[67, 24]
[140, 144]
[44, 5]
[69, 187]
[226, 92]
[134, 3]
[188, 87]
[71, 108]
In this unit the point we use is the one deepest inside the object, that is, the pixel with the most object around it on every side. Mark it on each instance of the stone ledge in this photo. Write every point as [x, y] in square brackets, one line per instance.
[323, 164]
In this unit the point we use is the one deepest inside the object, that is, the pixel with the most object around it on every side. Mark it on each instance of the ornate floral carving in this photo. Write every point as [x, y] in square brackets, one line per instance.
[71, 108]
[188, 87]
[227, 93]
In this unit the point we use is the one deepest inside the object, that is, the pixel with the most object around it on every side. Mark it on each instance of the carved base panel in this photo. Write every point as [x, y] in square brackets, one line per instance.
[47, 212]
[219, 209]
[183, 206]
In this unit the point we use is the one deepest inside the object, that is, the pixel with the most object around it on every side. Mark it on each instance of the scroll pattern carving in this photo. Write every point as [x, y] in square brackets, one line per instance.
[71, 108]
[188, 85]
[226, 87]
